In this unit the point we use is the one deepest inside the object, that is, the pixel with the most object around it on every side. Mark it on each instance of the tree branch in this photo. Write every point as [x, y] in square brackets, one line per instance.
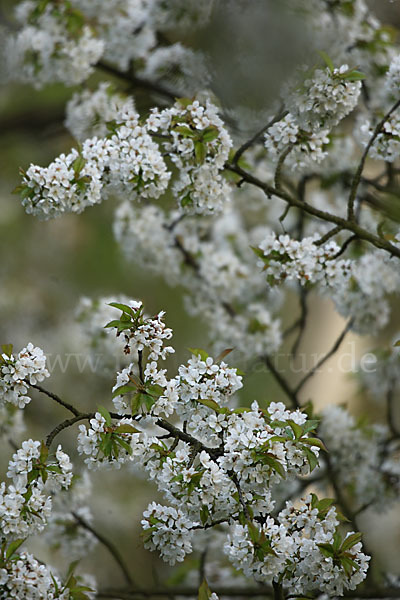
[238, 154]
[282, 382]
[341, 223]
[137, 81]
[54, 397]
[323, 360]
[113, 550]
[357, 176]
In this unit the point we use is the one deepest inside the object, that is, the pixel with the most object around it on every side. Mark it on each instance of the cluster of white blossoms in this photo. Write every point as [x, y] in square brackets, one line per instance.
[360, 288]
[199, 146]
[22, 576]
[302, 547]
[386, 146]
[54, 44]
[286, 259]
[25, 504]
[168, 530]
[123, 26]
[142, 332]
[219, 467]
[325, 98]
[87, 113]
[129, 161]
[393, 76]
[126, 161]
[364, 463]
[106, 444]
[315, 107]
[306, 148]
[18, 372]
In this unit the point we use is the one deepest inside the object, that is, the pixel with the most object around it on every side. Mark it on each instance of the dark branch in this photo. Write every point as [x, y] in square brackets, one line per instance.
[113, 550]
[56, 398]
[362, 234]
[357, 176]
[292, 395]
[323, 360]
[137, 81]
[257, 136]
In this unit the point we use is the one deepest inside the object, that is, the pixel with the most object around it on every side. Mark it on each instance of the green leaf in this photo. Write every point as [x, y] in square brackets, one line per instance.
[185, 131]
[297, 429]
[327, 550]
[199, 352]
[78, 164]
[204, 591]
[311, 458]
[13, 547]
[350, 541]
[44, 452]
[124, 307]
[155, 390]
[254, 532]
[114, 323]
[204, 514]
[310, 425]
[200, 151]
[273, 463]
[123, 389]
[105, 414]
[123, 443]
[348, 565]
[397, 343]
[337, 540]
[126, 428]
[258, 252]
[353, 75]
[210, 403]
[210, 133]
[185, 102]
[324, 504]
[314, 442]
[327, 60]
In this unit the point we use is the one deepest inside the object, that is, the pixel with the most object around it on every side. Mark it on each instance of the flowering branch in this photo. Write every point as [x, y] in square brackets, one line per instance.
[358, 174]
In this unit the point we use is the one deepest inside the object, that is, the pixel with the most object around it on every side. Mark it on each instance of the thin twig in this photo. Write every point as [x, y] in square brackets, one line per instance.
[323, 360]
[302, 320]
[328, 235]
[389, 414]
[357, 176]
[137, 81]
[292, 395]
[281, 115]
[344, 247]
[113, 550]
[56, 398]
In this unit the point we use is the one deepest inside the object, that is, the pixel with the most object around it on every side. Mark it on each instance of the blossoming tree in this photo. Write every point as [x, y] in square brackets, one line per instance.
[239, 224]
